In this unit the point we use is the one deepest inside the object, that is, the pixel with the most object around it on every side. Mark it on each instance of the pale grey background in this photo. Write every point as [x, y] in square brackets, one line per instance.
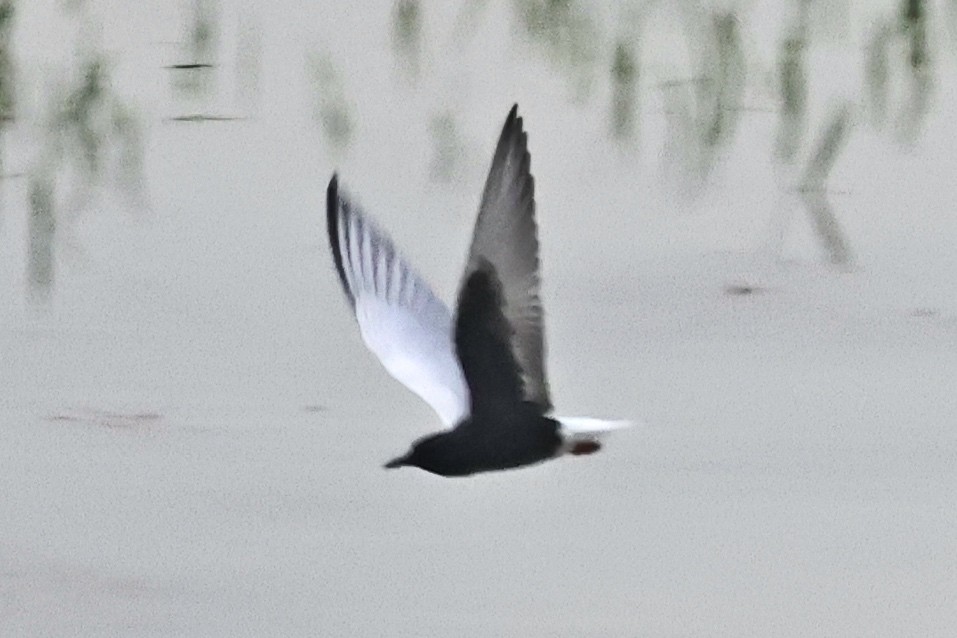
[191, 431]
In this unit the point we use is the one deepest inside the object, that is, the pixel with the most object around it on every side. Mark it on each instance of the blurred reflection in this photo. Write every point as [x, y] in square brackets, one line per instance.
[624, 97]
[566, 32]
[792, 78]
[877, 73]
[468, 19]
[448, 149]
[703, 111]
[813, 187]
[73, 5]
[7, 79]
[898, 72]
[127, 139]
[407, 35]
[331, 109]
[41, 230]
[684, 157]
[99, 137]
[950, 6]
[93, 134]
[727, 85]
[194, 76]
[913, 25]
[89, 138]
[79, 117]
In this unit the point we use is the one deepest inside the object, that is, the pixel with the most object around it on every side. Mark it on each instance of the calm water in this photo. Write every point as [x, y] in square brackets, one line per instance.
[191, 431]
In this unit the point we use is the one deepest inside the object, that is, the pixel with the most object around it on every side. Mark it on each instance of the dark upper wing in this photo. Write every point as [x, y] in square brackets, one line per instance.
[506, 237]
[483, 345]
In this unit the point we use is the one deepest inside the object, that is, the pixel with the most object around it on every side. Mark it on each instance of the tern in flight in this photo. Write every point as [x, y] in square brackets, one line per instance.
[483, 370]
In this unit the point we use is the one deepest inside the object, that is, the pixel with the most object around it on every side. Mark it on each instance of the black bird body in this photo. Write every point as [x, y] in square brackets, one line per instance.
[484, 371]
[522, 438]
[504, 430]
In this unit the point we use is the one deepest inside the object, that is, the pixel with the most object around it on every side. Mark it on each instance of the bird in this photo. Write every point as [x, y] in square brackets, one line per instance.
[483, 370]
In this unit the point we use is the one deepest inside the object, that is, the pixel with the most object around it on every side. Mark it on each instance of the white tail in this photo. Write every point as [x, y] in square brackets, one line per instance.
[583, 435]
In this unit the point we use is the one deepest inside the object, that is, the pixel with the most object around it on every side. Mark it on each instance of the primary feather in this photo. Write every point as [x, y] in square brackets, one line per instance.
[482, 341]
[506, 237]
[401, 320]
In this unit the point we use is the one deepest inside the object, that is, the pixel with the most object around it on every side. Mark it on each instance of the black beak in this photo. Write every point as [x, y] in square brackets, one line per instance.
[394, 463]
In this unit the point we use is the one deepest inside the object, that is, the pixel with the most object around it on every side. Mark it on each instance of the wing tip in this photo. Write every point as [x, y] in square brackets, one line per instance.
[514, 124]
[512, 136]
[335, 211]
[332, 192]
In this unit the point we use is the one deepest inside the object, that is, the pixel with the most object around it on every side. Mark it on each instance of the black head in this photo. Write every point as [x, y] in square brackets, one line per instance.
[435, 454]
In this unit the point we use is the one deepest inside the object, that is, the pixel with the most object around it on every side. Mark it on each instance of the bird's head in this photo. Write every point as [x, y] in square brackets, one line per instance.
[432, 454]
[402, 461]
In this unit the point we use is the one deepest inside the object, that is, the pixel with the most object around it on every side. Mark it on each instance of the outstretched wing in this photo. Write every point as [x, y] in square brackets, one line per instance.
[483, 343]
[506, 237]
[401, 320]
